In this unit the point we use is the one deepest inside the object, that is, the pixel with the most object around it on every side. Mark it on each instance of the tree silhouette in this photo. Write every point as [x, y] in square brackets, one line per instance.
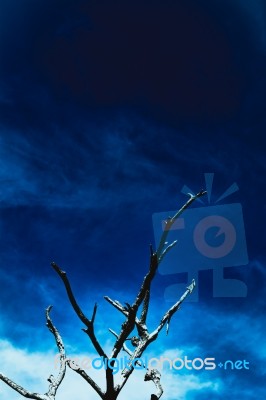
[132, 320]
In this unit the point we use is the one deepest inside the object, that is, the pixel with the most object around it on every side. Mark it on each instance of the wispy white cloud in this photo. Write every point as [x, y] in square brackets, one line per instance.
[31, 369]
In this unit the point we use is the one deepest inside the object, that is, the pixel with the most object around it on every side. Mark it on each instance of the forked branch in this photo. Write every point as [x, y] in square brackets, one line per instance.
[89, 325]
[54, 382]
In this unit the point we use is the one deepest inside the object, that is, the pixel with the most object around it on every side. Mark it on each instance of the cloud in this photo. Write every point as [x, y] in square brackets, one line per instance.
[99, 168]
[103, 166]
[31, 369]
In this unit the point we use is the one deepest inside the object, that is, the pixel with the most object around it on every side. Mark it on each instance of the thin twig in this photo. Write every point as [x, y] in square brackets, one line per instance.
[75, 367]
[170, 221]
[167, 316]
[88, 323]
[168, 248]
[55, 382]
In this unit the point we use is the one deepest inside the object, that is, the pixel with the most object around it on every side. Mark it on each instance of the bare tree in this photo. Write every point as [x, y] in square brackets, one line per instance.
[132, 321]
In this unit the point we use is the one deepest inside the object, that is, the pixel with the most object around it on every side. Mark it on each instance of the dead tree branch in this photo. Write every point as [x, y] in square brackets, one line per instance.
[89, 326]
[132, 321]
[88, 323]
[54, 382]
[144, 297]
[170, 221]
[145, 342]
[168, 315]
[75, 367]
[155, 376]
[22, 391]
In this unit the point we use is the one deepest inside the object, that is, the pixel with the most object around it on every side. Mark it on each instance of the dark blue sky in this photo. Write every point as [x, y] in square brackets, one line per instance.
[107, 109]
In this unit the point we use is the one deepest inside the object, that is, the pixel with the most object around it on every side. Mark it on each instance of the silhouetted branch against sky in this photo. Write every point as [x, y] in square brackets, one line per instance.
[140, 342]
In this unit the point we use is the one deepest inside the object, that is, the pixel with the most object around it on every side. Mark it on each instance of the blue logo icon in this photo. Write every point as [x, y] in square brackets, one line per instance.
[210, 237]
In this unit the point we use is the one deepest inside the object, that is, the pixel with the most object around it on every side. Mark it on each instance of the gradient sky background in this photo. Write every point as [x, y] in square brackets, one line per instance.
[107, 109]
